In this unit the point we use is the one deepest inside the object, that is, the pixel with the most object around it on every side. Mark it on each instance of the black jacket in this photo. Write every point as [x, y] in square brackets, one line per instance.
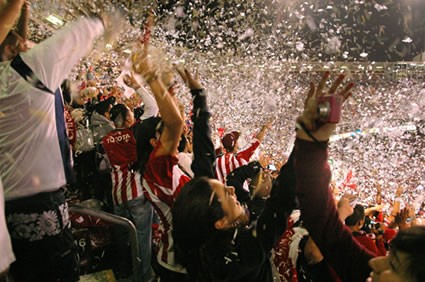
[245, 254]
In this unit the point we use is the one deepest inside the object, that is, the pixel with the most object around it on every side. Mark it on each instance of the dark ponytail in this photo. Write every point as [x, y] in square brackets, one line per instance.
[194, 213]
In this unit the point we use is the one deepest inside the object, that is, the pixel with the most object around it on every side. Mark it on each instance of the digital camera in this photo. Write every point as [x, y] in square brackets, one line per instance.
[329, 108]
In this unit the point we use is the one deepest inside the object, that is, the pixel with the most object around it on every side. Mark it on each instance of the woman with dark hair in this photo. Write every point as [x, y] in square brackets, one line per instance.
[220, 246]
[159, 139]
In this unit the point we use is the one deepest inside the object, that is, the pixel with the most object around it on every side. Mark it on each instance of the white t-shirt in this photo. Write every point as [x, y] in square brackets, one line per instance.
[7, 256]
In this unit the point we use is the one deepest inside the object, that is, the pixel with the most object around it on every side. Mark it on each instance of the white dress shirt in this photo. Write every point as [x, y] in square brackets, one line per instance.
[30, 157]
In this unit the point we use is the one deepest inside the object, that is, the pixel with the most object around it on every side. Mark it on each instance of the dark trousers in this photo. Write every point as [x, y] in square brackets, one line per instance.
[167, 275]
[41, 239]
[53, 259]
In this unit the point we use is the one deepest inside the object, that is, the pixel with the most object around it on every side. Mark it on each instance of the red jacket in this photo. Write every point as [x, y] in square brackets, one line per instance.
[374, 245]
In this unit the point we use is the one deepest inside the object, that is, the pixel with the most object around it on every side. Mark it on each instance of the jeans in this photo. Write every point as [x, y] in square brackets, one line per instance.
[140, 212]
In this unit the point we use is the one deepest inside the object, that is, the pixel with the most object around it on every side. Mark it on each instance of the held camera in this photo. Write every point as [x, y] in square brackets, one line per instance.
[329, 108]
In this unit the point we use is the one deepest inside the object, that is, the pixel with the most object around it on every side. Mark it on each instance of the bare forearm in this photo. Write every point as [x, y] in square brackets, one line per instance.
[23, 21]
[167, 107]
[9, 12]
[262, 133]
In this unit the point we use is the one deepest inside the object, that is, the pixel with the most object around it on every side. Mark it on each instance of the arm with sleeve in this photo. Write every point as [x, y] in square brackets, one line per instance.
[246, 154]
[273, 220]
[203, 147]
[237, 178]
[151, 108]
[320, 216]
[53, 59]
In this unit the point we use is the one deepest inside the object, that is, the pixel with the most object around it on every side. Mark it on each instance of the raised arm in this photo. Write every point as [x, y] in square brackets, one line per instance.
[9, 12]
[397, 203]
[273, 220]
[318, 211]
[151, 108]
[22, 26]
[173, 121]
[54, 58]
[237, 178]
[260, 136]
[203, 147]
[247, 152]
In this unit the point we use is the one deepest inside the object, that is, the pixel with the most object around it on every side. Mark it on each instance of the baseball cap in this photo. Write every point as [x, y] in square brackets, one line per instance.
[229, 140]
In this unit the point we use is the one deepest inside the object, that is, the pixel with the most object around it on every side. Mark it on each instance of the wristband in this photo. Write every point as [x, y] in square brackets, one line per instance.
[301, 125]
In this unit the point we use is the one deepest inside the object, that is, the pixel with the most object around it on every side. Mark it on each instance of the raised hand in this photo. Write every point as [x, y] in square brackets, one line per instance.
[401, 219]
[399, 191]
[144, 65]
[113, 22]
[131, 81]
[260, 136]
[147, 28]
[345, 207]
[268, 124]
[192, 82]
[311, 126]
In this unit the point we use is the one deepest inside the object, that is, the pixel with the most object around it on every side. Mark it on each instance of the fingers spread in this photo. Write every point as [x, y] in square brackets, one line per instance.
[347, 88]
[336, 84]
[346, 91]
[189, 75]
[346, 96]
[310, 93]
[322, 84]
[180, 72]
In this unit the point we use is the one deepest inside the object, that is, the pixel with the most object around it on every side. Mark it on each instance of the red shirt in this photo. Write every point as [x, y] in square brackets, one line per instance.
[162, 182]
[120, 146]
[226, 163]
[374, 245]
[71, 129]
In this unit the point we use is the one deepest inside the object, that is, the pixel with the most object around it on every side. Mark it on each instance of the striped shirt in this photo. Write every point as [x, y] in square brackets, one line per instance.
[226, 163]
[162, 182]
[120, 146]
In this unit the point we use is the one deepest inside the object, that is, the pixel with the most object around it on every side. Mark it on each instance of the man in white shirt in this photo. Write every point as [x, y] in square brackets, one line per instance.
[34, 152]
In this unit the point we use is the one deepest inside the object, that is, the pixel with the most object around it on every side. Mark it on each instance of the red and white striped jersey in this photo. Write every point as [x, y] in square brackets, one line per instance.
[226, 163]
[120, 146]
[162, 182]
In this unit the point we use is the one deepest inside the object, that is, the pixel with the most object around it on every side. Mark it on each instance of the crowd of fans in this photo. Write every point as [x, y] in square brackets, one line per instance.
[232, 186]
